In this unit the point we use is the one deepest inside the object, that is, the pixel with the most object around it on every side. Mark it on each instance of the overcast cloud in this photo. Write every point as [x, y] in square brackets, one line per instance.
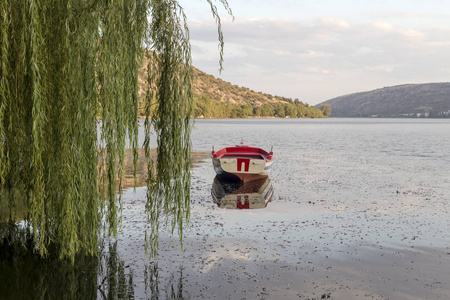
[325, 55]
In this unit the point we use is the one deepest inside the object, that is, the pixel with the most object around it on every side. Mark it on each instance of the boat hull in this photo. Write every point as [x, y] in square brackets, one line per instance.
[242, 162]
[248, 195]
[242, 168]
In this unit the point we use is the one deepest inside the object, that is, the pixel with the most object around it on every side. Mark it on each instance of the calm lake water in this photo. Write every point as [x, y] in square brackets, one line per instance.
[360, 211]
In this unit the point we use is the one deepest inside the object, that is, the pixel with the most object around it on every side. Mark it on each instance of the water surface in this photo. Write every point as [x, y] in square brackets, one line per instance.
[359, 210]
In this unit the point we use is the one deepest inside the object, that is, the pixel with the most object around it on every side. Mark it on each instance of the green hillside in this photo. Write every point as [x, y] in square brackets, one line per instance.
[215, 98]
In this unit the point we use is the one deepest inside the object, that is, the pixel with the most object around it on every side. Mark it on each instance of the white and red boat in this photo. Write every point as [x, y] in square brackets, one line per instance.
[242, 162]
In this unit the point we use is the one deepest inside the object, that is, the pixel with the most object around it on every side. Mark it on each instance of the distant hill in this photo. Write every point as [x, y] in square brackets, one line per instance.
[219, 90]
[409, 100]
[222, 91]
[215, 98]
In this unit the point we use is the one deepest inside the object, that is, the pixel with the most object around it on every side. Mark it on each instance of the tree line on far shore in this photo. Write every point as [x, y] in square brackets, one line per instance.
[205, 107]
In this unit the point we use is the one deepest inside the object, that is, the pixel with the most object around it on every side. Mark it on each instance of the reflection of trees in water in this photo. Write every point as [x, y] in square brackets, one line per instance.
[114, 283]
[172, 288]
[26, 275]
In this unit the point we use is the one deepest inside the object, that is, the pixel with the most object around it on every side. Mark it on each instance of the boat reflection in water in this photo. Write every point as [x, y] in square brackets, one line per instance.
[239, 195]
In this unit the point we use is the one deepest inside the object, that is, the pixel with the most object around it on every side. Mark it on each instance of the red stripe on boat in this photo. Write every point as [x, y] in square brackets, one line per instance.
[242, 204]
[246, 161]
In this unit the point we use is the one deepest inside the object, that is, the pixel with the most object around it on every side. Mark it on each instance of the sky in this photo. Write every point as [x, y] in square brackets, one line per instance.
[315, 50]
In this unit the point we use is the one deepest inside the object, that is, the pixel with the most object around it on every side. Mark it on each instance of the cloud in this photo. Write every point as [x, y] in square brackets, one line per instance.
[396, 15]
[386, 69]
[305, 54]
[413, 34]
[317, 70]
[336, 23]
[295, 58]
[383, 26]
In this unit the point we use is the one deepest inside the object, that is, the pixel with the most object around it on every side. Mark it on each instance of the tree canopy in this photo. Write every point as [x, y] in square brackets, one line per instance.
[205, 107]
[325, 109]
[63, 64]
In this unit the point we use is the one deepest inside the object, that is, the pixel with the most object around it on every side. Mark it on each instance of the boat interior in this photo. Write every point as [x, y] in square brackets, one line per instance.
[247, 152]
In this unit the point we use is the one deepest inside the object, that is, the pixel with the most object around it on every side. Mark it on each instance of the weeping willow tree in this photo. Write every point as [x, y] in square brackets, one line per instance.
[64, 63]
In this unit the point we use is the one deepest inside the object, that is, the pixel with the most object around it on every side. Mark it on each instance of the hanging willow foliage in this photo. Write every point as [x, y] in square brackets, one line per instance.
[63, 64]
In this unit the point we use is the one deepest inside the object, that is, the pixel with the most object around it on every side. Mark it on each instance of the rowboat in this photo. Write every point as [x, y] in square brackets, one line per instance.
[242, 162]
[242, 195]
